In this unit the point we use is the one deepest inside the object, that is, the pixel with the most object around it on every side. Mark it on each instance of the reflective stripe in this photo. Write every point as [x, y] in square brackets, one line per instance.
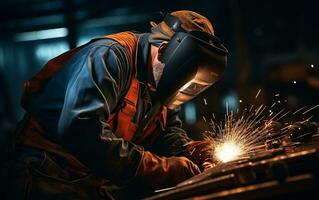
[126, 127]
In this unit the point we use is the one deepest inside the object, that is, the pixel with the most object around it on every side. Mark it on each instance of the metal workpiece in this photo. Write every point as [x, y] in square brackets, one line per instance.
[287, 171]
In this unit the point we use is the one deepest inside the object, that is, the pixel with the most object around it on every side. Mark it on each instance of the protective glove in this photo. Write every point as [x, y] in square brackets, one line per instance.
[201, 153]
[160, 172]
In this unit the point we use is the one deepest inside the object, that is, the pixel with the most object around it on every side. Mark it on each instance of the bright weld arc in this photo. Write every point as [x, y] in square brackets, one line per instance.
[228, 151]
[238, 136]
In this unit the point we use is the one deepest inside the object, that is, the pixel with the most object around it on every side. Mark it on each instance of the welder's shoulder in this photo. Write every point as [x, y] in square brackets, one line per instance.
[113, 54]
[110, 45]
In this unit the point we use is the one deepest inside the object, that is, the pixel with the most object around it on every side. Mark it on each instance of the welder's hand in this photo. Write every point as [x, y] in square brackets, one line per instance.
[159, 172]
[207, 165]
[201, 153]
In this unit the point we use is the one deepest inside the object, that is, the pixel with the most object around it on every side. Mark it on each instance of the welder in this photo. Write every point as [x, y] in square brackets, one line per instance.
[103, 118]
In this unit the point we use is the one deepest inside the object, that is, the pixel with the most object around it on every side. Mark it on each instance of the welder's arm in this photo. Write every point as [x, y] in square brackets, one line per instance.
[103, 79]
[92, 95]
[174, 141]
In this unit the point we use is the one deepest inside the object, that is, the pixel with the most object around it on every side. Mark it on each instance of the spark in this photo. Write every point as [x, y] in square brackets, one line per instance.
[213, 115]
[307, 120]
[295, 82]
[239, 134]
[260, 107]
[227, 107]
[303, 135]
[286, 127]
[310, 109]
[251, 108]
[282, 116]
[312, 65]
[204, 118]
[312, 116]
[300, 109]
[258, 93]
[205, 102]
[211, 122]
[191, 153]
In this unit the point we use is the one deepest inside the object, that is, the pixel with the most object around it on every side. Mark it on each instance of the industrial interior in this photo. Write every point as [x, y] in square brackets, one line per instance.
[262, 115]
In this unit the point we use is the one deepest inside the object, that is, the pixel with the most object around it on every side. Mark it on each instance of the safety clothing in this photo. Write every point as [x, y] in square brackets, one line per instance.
[154, 169]
[89, 131]
[201, 153]
[93, 111]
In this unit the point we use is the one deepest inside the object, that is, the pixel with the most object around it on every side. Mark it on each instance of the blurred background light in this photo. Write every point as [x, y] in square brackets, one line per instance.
[190, 113]
[41, 35]
[45, 52]
[230, 101]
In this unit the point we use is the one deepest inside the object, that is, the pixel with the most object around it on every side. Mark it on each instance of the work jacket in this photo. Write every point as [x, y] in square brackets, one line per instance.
[76, 107]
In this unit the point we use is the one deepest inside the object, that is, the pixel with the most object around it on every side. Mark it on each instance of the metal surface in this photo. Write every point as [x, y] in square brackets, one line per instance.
[285, 172]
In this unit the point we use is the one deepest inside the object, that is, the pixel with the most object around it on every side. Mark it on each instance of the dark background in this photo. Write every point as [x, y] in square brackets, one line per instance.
[271, 43]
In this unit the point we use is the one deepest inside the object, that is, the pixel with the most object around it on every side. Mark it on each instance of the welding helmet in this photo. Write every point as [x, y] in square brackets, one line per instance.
[194, 60]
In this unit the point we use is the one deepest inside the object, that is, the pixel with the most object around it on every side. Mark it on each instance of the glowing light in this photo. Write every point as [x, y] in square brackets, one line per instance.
[190, 113]
[258, 93]
[205, 102]
[45, 52]
[41, 35]
[310, 109]
[204, 118]
[240, 136]
[312, 65]
[295, 82]
[228, 151]
[240, 101]
[230, 101]
[237, 136]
